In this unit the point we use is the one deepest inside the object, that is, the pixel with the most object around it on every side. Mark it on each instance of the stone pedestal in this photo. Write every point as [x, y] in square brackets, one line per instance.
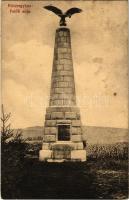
[75, 155]
[62, 140]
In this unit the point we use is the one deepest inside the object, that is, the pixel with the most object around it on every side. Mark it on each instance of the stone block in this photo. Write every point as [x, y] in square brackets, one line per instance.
[48, 116]
[59, 67]
[63, 39]
[60, 84]
[76, 130]
[73, 103]
[69, 62]
[61, 33]
[53, 130]
[68, 84]
[45, 154]
[68, 90]
[69, 50]
[62, 50]
[60, 56]
[78, 155]
[46, 146]
[75, 109]
[70, 115]
[46, 130]
[68, 39]
[53, 109]
[63, 121]
[55, 85]
[57, 115]
[66, 44]
[65, 61]
[52, 92]
[58, 39]
[54, 73]
[74, 98]
[54, 96]
[52, 103]
[76, 123]
[50, 130]
[55, 160]
[68, 67]
[63, 96]
[58, 78]
[78, 145]
[68, 78]
[56, 62]
[62, 109]
[65, 73]
[49, 138]
[56, 154]
[76, 138]
[59, 90]
[50, 123]
[68, 109]
[63, 84]
[61, 45]
[58, 102]
[66, 56]
[67, 102]
[78, 116]
[66, 34]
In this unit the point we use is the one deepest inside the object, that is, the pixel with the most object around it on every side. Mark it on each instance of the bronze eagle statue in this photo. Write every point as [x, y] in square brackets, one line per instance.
[62, 15]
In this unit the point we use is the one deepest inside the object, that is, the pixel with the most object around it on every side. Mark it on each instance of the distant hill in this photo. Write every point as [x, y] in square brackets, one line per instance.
[91, 133]
[105, 134]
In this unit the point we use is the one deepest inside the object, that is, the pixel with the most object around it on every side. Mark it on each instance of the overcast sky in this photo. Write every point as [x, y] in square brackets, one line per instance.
[99, 48]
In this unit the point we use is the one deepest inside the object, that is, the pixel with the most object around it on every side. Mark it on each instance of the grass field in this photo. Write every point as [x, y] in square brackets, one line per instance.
[103, 176]
[74, 180]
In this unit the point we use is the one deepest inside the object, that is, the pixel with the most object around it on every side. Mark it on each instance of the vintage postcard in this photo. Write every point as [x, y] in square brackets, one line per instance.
[64, 119]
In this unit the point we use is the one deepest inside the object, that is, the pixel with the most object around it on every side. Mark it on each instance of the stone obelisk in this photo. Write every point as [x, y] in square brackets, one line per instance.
[62, 139]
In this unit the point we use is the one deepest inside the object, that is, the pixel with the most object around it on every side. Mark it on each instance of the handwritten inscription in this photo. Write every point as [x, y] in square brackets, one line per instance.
[19, 8]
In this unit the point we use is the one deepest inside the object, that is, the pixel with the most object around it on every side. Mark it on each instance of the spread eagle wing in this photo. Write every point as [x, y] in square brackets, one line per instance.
[72, 11]
[54, 9]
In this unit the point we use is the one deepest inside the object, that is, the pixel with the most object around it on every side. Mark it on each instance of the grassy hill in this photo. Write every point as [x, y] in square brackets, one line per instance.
[105, 134]
[93, 135]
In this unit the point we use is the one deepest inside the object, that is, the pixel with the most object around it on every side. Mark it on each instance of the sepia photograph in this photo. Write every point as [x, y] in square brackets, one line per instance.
[64, 110]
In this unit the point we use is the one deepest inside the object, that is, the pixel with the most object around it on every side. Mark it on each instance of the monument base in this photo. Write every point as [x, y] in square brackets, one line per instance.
[74, 155]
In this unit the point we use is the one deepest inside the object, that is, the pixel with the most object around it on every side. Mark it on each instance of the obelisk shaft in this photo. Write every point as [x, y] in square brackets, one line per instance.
[62, 85]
